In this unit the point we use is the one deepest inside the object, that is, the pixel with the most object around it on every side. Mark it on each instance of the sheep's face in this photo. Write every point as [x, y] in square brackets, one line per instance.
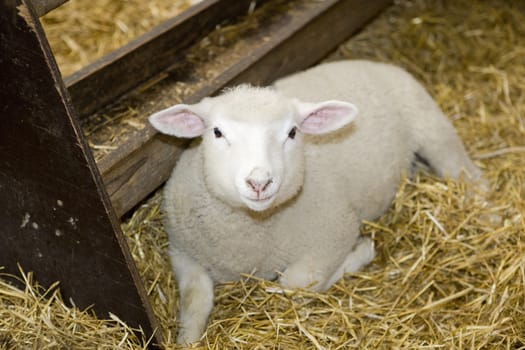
[253, 142]
[254, 164]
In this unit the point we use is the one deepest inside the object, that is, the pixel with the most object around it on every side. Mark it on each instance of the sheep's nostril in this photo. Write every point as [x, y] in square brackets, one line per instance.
[267, 184]
[258, 186]
[252, 184]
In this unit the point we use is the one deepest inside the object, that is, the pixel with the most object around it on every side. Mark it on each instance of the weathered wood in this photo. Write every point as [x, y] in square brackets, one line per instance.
[145, 169]
[305, 34]
[123, 69]
[306, 40]
[55, 215]
[44, 6]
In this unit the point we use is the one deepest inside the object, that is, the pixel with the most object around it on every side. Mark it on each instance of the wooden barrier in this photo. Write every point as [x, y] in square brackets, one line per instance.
[124, 69]
[41, 7]
[55, 215]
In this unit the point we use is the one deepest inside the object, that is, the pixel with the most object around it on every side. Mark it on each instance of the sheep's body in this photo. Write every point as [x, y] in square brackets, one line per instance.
[350, 175]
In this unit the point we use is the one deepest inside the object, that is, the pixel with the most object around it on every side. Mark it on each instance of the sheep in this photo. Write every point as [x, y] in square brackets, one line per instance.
[281, 177]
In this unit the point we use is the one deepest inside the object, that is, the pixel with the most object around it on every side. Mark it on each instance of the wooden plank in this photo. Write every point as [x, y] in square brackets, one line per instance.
[315, 37]
[42, 7]
[305, 34]
[144, 169]
[55, 215]
[123, 69]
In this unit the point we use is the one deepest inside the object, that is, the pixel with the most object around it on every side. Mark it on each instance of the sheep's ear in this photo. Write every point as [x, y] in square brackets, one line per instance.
[324, 117]
[180, 120]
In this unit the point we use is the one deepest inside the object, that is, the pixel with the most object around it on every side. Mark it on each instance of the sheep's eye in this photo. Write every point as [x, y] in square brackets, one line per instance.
[217, 133]
[292, 133]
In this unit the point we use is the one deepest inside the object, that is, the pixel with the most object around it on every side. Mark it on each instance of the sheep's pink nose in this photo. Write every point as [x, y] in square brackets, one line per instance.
[258, 186]
[259, 180]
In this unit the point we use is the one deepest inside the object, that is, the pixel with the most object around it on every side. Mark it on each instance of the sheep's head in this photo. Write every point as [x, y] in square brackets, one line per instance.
[252, 141]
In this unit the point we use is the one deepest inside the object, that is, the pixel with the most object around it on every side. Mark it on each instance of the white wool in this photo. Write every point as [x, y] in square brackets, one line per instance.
[258, 199]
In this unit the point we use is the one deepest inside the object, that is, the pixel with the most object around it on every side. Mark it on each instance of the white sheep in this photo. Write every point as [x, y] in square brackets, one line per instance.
[266, 192]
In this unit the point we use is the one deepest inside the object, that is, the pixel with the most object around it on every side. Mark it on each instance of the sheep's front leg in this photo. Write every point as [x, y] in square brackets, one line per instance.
[364, 252]
[196, 297]
[319, 274]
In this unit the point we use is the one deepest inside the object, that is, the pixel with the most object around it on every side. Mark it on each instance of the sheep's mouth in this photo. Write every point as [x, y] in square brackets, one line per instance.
[261, 199]
[259, 204]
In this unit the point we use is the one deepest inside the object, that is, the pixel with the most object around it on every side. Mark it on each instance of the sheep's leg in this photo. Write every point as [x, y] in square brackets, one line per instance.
[305, 274]
[364, 252]
[443, 150]
[196, 297]
[319, 274]
[436, 139]
[446, 155]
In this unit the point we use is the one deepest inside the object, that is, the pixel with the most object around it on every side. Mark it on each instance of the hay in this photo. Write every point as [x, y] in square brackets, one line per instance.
[36, 318]
[79, 31]
[445, 277]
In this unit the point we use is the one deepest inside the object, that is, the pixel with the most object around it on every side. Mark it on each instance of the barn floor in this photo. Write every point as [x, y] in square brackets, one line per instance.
[446, 275]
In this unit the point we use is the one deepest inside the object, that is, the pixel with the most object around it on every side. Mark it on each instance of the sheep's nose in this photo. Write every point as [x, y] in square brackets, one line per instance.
[258, 186]
[259, 180]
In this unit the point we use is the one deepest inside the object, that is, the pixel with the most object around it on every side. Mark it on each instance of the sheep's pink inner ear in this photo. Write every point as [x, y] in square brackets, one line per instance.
[324, 117]
[178, 121]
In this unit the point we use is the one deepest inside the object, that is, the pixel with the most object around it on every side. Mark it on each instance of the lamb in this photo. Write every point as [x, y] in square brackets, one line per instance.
[282, 177]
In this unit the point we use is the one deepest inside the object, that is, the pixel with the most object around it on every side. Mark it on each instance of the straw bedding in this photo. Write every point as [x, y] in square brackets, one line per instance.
[447, 276]
[79, 32]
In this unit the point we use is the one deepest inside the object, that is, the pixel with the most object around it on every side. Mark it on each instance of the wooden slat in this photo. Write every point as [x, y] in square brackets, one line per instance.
[302, 37]
[115, 74]
[44, 6]
[55, 216]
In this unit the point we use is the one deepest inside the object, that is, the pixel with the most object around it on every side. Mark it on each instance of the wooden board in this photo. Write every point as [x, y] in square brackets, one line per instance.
[115, 74]
[55, 215]
[42, 7]
[293, 40]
